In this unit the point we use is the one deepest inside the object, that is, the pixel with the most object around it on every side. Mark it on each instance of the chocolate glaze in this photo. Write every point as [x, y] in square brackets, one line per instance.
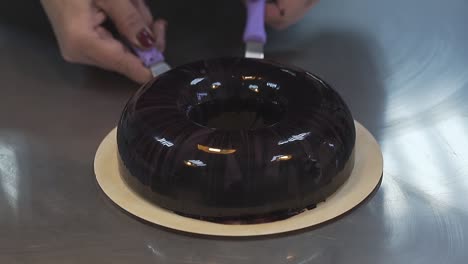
[236, 139]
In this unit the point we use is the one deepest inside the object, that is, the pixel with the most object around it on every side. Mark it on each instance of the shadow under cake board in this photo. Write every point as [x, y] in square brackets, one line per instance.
[364, 179]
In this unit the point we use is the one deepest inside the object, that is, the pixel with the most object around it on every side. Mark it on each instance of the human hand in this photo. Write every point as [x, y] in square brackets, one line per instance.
[280, 14]
[78, 26]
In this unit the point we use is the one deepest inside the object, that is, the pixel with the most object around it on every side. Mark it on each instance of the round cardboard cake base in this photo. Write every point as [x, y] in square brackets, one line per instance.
[364, 179]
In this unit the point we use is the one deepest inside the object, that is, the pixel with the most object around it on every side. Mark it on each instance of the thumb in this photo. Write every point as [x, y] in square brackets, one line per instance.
[129, 22]
[108, 53]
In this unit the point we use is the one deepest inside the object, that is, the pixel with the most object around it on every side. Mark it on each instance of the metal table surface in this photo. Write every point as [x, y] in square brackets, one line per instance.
[402, 66]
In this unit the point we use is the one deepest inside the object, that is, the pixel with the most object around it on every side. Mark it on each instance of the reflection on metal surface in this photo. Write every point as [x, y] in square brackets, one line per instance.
[415, 149]
[216, 150]
[154, 250]
[396, 211]
[9, 174]
[454, 132]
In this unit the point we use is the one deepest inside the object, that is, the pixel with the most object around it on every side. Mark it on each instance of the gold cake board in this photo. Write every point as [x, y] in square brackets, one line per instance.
[364, 178]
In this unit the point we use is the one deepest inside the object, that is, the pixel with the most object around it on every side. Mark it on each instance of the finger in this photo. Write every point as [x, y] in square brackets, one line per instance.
[129, 22]
[158, 27]
[273, 11]
[273, 15]
[97, 16]
[285, 13]
[159, 30]
[311, 3]
[294, 6]
[108, 53]
[145, 12]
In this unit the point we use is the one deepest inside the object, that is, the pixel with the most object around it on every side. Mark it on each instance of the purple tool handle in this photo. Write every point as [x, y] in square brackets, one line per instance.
[255, 27]
[149, 57]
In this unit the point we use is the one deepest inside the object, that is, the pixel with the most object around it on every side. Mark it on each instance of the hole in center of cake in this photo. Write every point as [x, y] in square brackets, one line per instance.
[237, 113]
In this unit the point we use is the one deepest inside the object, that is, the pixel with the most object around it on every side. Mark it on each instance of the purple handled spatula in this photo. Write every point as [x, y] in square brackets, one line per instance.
[254, 34]
[154, 60]
[254, 38]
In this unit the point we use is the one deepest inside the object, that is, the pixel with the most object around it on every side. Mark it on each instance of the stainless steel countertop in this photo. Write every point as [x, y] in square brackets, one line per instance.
[402, 66]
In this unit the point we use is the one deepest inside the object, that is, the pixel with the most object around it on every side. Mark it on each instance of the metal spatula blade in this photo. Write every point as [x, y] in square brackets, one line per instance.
[254, 34]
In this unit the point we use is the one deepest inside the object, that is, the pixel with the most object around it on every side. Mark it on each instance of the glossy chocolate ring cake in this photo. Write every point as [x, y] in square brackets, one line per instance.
[236, 140]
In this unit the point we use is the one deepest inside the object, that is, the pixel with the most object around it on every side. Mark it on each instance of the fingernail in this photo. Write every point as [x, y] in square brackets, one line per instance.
[145, 38]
